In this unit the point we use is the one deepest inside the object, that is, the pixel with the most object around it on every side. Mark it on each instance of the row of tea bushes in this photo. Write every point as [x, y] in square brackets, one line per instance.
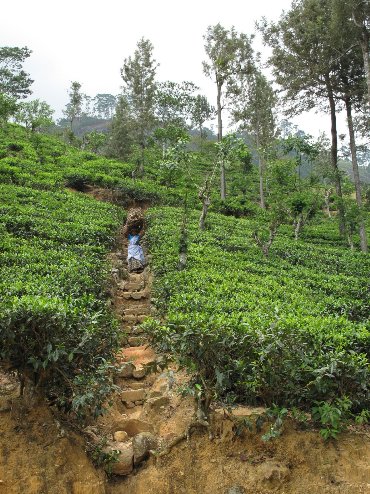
[55, 325]
[46, 163]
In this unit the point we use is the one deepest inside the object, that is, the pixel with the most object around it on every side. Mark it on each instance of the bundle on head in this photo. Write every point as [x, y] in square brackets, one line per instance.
[135, 219]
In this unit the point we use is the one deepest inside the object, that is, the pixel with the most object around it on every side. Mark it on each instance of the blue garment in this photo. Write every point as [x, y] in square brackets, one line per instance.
[134, 249]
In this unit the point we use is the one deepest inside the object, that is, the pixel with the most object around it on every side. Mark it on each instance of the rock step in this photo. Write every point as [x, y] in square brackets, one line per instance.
[136, 310]
[136, 340]
[130, 370]
[133, 319]
[142, 294]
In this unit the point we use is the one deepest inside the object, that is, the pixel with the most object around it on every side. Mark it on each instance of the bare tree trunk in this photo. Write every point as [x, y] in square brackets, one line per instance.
[260, 170]
[350, 241]
[202, 220]
[298, 226]
[364, 43]
[219, 138]
[204, 195]
[141, 161]
[327, 202]
[365, 53]
[265, 246]
[356, 175]
[334, 156]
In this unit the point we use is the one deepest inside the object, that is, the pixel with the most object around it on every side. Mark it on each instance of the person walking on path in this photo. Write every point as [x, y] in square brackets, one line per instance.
[135, 253]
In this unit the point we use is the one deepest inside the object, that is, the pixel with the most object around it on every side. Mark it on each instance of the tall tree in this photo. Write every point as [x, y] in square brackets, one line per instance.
[73, 108]
[254, 101]
[173, 103]
[121, 136]
[360, 10]
[34, 114]
[139, 87]
[350, 81]
[14, 81]
[201, 112]
[305, 64]
[104, 105]
[229, 54]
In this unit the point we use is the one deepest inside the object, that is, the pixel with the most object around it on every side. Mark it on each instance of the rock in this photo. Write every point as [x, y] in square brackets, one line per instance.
[158, 403]
[137, 310]
[133, 395]
[139, 402]
[139, 373]
[120, 436]
[125, 463]
[142, 444]
[130, 404]
[137, 330]
[155, 394]
[135, 341]
[92, 434]
[130, 318]
[271, 471]
[132, 287]
[138, 295]
[88, 488]
[126, 369]
[134, 426]
[235, 489]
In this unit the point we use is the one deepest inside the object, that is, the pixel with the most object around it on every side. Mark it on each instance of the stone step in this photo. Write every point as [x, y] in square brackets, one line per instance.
[137, 310]
[136, 341]
[136, 396]
[142, 294]
[133, 319]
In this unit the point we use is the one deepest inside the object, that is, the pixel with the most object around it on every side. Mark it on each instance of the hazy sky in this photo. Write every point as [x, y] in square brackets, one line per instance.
[87, 41]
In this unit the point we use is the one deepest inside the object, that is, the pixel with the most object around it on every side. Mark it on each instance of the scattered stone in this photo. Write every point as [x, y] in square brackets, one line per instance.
[135, 426]
[157, 404]
[126, 369]
[137, 330]
[142, 444]
[92, 487]
[136, 385]
[133, 286]
[135, 341]
[92, 434]
[139, 402]
[125, 463]
[130, 318]
[130, 404]
[120, 436]
[139, 373]
[139, 295]
[235, 489]
[137, 310]
[133, 395]
[271, 471]
[155, 394]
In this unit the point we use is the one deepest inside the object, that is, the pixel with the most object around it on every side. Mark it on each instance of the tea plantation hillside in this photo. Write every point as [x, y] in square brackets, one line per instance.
[288, 330]
[291, 329]
[46, 163]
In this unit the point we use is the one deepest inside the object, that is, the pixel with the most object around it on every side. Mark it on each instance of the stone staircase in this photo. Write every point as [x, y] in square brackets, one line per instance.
[147, 414]
[126, 425]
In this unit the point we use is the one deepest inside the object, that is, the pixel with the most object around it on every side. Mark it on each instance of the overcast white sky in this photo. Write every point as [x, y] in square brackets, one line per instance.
[87, 41]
